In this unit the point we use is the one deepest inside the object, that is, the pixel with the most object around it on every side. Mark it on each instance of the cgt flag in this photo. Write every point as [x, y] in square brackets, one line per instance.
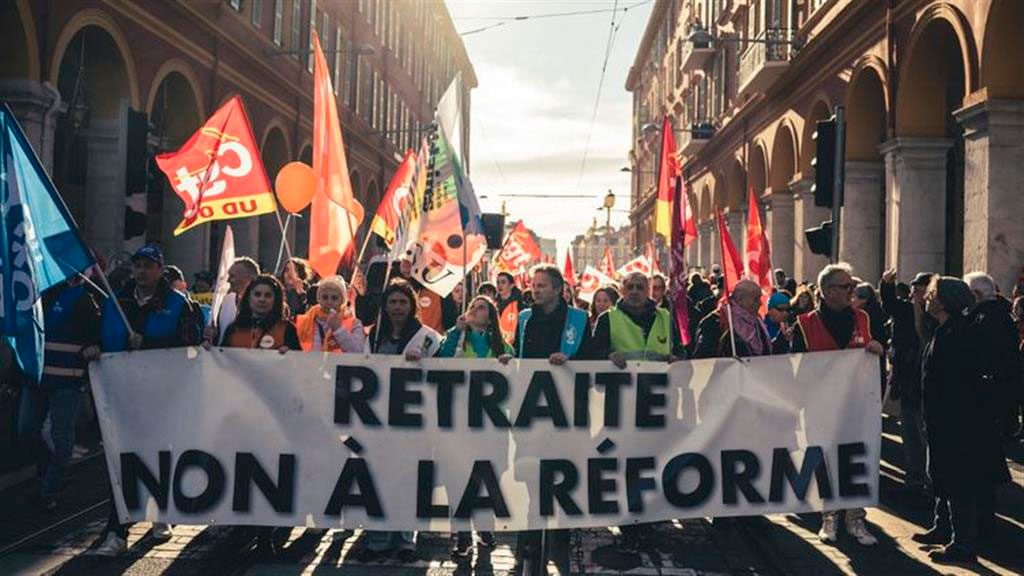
[640, 264]
[519, 251]
[590, 281]
[39, 244]
[389, 215]
[218, 173]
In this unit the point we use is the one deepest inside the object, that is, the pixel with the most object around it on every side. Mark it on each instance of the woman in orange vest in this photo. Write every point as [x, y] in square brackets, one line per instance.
[330, 325]
[260, 322]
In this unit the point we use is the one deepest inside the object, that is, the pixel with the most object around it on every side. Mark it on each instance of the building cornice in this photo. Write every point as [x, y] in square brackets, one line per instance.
[654, 21]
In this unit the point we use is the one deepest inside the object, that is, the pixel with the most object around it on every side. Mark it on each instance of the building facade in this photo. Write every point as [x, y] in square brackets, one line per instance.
[588, 248]
[101, 87]
[933, 92]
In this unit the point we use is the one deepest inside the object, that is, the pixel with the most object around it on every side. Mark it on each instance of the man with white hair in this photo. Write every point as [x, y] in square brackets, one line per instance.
[836, 325]
[993, 329]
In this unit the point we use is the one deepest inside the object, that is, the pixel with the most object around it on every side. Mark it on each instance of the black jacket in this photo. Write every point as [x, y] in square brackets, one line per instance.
[964, 453]
[544, 334]
[993, 330]
[904, 347]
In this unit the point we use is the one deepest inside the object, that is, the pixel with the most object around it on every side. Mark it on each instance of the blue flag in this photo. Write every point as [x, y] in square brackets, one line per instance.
[39, 244]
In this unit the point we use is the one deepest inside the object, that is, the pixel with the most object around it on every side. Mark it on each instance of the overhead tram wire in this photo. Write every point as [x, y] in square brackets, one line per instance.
[507, 19]
[612, 31]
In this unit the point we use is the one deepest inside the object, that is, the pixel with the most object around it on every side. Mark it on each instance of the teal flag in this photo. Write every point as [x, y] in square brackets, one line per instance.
[39, 244]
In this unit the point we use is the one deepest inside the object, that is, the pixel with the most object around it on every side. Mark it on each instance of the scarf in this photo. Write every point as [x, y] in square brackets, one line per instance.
[749, 327]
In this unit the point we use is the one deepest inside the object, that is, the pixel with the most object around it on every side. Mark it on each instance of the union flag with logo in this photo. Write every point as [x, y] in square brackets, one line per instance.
[218, 173]
[519, 250]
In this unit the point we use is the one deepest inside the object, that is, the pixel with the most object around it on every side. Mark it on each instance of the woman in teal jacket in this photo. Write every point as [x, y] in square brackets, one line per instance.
[476, 334]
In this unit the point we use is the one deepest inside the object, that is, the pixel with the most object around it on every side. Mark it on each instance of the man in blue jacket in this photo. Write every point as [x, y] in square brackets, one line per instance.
[160, 317]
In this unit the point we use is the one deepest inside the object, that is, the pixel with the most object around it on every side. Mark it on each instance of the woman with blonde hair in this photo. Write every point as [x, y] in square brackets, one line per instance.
[330, 325]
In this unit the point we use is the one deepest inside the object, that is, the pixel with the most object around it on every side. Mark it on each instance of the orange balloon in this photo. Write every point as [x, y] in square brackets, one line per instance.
[296, 185]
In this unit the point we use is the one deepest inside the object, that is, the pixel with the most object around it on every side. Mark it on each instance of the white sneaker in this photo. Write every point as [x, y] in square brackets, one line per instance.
[829, 529]
[859, 531]
[162, 532]
[113, 545]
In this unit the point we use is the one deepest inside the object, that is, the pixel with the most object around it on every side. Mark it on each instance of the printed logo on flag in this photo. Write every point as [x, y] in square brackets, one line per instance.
[218, 173]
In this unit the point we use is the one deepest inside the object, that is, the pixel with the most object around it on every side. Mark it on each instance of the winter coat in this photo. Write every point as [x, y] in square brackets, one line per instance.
[965, 456]
[996, 337]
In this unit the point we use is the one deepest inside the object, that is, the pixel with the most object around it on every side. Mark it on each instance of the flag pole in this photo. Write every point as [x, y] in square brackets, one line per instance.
[117, 304]
[362, 252]
[732, 333]
[284, 239]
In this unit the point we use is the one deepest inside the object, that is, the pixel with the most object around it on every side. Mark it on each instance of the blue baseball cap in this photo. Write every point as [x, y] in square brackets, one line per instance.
[776, 300]
[149, 252]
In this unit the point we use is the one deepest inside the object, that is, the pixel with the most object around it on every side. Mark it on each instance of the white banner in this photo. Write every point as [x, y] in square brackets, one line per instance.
[310, 439]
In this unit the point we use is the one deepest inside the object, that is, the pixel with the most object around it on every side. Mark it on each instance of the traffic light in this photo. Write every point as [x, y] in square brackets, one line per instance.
[824, 162]
[819, 239]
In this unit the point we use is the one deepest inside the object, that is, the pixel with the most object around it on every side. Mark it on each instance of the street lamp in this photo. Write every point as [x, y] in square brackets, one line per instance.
[609, 203]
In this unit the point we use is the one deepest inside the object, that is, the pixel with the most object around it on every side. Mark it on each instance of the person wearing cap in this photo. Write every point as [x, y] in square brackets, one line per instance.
[965, 458]
[911, 327]
[778, 321]
[835, 325]
[160, 317]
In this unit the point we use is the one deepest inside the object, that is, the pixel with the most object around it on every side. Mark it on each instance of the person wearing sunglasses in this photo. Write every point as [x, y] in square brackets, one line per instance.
[835, 325]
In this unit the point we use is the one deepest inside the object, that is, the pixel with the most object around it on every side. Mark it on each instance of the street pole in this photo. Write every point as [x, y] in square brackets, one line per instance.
[839, 175]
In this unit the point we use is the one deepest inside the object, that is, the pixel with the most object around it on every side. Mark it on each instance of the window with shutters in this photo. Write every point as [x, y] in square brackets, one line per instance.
[257, 13]
[296, 39]
[309, 34]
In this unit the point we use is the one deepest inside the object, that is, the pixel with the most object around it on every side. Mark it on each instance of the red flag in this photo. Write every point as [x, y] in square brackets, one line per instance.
[759, 265]
[607, 265]
[218, 173]
[567, 272]
[389, 213]
[677, 285]
[520, 250]
[335, 214]
[686, 214]
[668, 175]
[732, 266]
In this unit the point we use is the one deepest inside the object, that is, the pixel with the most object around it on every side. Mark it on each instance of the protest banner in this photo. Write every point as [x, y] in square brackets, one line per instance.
[345, 440]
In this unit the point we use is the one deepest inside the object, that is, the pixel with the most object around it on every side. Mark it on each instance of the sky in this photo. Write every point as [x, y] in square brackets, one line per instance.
[531, 113]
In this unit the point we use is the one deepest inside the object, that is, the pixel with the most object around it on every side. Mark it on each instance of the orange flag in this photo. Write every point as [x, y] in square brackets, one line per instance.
[759, 264]
[218, 173]
[335, 214]
[732, 266]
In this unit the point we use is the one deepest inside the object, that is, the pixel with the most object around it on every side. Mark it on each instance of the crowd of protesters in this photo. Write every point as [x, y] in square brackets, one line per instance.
[951, 352]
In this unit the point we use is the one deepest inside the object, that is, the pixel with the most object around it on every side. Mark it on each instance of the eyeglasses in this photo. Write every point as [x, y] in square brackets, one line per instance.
[845, 287]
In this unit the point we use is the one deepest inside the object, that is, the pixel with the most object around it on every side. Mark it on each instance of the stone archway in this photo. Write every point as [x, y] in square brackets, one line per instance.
[175, 114]
[275, 153]
[993, 121]
[862, 238]
[925, 161]
[95, 77]
[780, 202]
[34, 104]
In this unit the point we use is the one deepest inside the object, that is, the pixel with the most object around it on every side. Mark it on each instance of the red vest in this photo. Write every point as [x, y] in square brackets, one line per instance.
[818, 338]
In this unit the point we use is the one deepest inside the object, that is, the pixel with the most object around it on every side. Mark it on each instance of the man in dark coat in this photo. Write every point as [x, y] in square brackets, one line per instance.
[994, 333]
[905, 376]
[965, 459]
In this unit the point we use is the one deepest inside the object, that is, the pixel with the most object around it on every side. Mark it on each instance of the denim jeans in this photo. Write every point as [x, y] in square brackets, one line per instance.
[61, 403]
[914, 445]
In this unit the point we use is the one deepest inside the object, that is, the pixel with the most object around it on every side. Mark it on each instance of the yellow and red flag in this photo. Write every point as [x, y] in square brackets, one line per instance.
[759, 255]
[669, 172]
[335, 214]
[389, 214]
[218, 173]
